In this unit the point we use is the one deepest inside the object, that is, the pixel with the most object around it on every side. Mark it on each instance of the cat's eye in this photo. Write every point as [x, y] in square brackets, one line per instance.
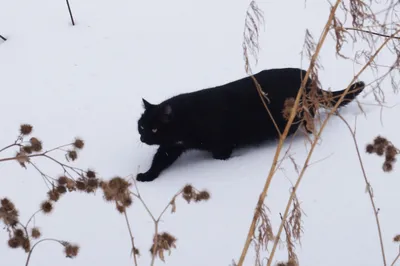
[154, 130]
[141, 127]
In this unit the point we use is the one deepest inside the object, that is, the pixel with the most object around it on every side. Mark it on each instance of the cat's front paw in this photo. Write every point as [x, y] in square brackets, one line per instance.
[146, 177]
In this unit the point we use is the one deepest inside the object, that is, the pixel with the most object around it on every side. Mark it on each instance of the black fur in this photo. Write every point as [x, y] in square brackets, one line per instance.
[222, 118]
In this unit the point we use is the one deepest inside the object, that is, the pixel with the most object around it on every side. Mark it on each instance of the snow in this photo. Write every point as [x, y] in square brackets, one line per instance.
[87, 80]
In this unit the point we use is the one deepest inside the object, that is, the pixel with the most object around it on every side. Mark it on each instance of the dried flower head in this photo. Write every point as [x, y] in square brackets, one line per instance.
[370, 148]
[73, 155]
[8, 213]
[25, 129]
[387, 166]
[19, 233]
[80, 185]
[90, 174]
[61, 189]
[120, 208]
[396, 238]
[287, 107]
[62, 180]
[71, 251]
[379, 140]
[78, 143]
[188, 189]
[162, 242]
[46, 206]
[53, 194]
[203, 195]
[26, 244]
[27, 148]
[14, 242]
[35, 233]
[36, 144]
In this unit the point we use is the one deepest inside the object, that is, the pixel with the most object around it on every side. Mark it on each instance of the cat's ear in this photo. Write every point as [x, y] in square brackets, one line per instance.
[167, 113]
[146, 104]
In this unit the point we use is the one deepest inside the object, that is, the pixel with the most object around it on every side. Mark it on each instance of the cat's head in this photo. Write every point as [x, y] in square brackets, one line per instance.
[155, 126]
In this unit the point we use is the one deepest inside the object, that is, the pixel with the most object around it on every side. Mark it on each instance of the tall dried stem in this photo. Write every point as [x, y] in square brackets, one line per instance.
[283, 137]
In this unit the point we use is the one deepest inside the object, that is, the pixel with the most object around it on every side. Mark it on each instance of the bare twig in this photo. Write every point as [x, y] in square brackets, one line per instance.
[134, 250]
[3, 38]
[70, 13]
[367, 183]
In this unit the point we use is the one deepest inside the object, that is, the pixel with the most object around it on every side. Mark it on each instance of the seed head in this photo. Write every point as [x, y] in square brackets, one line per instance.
[380, 150]
[396, 238]
[36, 144]
[62, 180]
[203, 195]
[35, 233]
[379, 140]
[7, 204]
[127, 201]
[26, 244]
[387, 166]
[71, 250]
[188, 189]
[73, 155]
[370, 148]
[93, 183]
[91, 174]
[53, 194]
[391, 153]
[79, 143]
[19, 233]
[120, 208]
[27, 149]
[46, 206]
[61, 189]
[25, 129]
[80, 185]
[14, 242]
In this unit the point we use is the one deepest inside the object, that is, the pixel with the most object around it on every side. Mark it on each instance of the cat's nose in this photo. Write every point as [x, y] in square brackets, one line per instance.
[141, 139]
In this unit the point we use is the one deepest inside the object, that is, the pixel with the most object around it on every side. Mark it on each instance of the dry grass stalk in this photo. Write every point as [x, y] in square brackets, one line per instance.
[317, 135]
[306, 163]
[253, 20]
[292, 257]
[281, 141]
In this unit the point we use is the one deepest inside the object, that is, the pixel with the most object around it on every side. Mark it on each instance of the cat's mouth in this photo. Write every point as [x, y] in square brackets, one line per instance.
[147, 141]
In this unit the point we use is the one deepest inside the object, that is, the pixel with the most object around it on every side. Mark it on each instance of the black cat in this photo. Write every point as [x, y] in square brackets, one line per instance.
[222, 118]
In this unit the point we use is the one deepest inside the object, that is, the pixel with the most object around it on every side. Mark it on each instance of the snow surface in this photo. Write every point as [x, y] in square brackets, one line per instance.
[88, 81]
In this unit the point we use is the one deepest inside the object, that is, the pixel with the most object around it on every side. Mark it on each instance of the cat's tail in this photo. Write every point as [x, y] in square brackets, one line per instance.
[352, 93]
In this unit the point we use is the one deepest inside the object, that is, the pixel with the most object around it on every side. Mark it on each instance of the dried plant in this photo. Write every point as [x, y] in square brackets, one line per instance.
[302, 108]
[23, 236]
[383, 147]
[116, 190]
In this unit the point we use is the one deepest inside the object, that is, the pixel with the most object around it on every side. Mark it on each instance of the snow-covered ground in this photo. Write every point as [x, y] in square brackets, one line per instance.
[88, 81]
